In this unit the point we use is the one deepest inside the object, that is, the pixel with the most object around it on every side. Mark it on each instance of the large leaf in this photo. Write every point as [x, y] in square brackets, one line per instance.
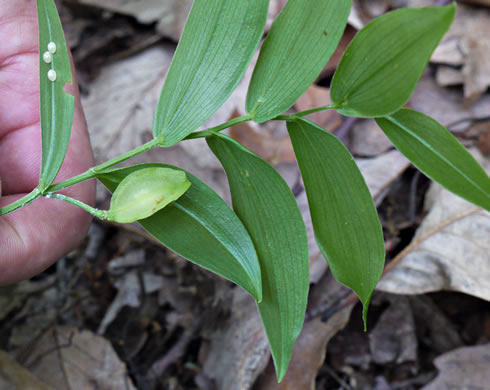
[57, 106]
[218, 42]
[268, 209]
[382, 65]
[201, 227]
[344, 217]
[437, 153]
[299, 44]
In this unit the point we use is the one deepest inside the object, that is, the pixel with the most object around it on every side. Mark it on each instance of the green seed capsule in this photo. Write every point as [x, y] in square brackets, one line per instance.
[144, 192]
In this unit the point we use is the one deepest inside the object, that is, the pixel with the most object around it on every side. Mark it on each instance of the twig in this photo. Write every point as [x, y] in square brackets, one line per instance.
[426, 236]
[334, 375]
[176, 352]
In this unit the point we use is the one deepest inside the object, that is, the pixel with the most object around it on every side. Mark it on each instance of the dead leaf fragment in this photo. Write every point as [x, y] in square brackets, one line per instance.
[276, 149]
[239, 350]
[129, 294]
[367, 139]
[87, 361]
[468, 44]
[393, 340]
[15, 377]
[464, 368]
[447, 106]
[170, 15]
[450, 250]
[381, 171]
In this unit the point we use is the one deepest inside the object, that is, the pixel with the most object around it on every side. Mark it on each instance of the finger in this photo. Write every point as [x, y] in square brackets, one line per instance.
[36, 235]
[20, 155]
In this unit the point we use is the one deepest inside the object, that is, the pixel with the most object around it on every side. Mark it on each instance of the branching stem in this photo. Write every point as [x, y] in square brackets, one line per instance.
[92, 172]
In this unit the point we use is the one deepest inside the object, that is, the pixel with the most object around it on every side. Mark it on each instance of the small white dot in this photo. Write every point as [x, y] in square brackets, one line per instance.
[52, 47]
[47, 57]
[52, 75]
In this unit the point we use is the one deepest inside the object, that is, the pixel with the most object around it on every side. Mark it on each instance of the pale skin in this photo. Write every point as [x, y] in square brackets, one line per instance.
[34, 237]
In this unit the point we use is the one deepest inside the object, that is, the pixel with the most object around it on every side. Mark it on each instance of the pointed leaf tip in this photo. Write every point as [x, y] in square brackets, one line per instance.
[57, 106]
[268, 209]
[383, 64]
[219, 40]
[282, 75]
[438, 154]
[202, 228]
[345, 220]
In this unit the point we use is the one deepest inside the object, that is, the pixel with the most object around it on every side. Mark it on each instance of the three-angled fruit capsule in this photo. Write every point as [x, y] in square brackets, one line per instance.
[146, 191]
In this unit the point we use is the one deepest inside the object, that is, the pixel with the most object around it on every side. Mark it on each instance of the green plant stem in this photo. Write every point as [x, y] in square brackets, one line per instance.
[304, 113]
[29, 198]
[101, 214]
[92, 172]
[223, 126]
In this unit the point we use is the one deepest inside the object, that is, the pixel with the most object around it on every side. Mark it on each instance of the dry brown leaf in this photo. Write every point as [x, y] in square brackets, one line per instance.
[448, 76]
[170, 15]
[274, 149]
[66, 358]
[393, 339]
[483, 143]
[239, 350]
[367, 139]
[450, 251]
[447, 106]
[468, 44]
[381, 171]
[129, 294]
[315, 97]
[15, 377]
[122, 100]
[332, 64]
[464, 368]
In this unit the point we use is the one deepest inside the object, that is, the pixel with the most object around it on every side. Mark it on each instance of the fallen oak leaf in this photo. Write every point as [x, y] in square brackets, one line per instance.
[449, 252]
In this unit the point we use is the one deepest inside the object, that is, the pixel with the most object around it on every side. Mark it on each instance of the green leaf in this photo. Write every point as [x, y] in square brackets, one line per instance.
[438, 154]
[268, 209]
[382, 65]
[299, 44]
[219, 40]
[201, 227]
[345, 220]
[57, 106]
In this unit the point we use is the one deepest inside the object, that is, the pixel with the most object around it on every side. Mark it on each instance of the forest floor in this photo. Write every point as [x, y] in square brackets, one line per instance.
[122, 312]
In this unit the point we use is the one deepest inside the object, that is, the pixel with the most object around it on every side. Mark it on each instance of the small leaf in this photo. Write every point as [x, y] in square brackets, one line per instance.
[345, 220]
[438, 154]
[299, 44]
[382, 65]
[57, 106]
[201, 227]
[268, 209]
[218, 42]
[146, 191]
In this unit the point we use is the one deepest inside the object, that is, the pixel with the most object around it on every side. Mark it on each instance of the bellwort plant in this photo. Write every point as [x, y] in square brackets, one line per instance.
[261, 243]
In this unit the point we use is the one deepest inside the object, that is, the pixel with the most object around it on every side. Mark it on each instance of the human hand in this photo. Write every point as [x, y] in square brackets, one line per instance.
[32, 238]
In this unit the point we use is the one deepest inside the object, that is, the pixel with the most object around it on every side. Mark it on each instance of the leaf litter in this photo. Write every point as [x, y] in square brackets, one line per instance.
[192, 330]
